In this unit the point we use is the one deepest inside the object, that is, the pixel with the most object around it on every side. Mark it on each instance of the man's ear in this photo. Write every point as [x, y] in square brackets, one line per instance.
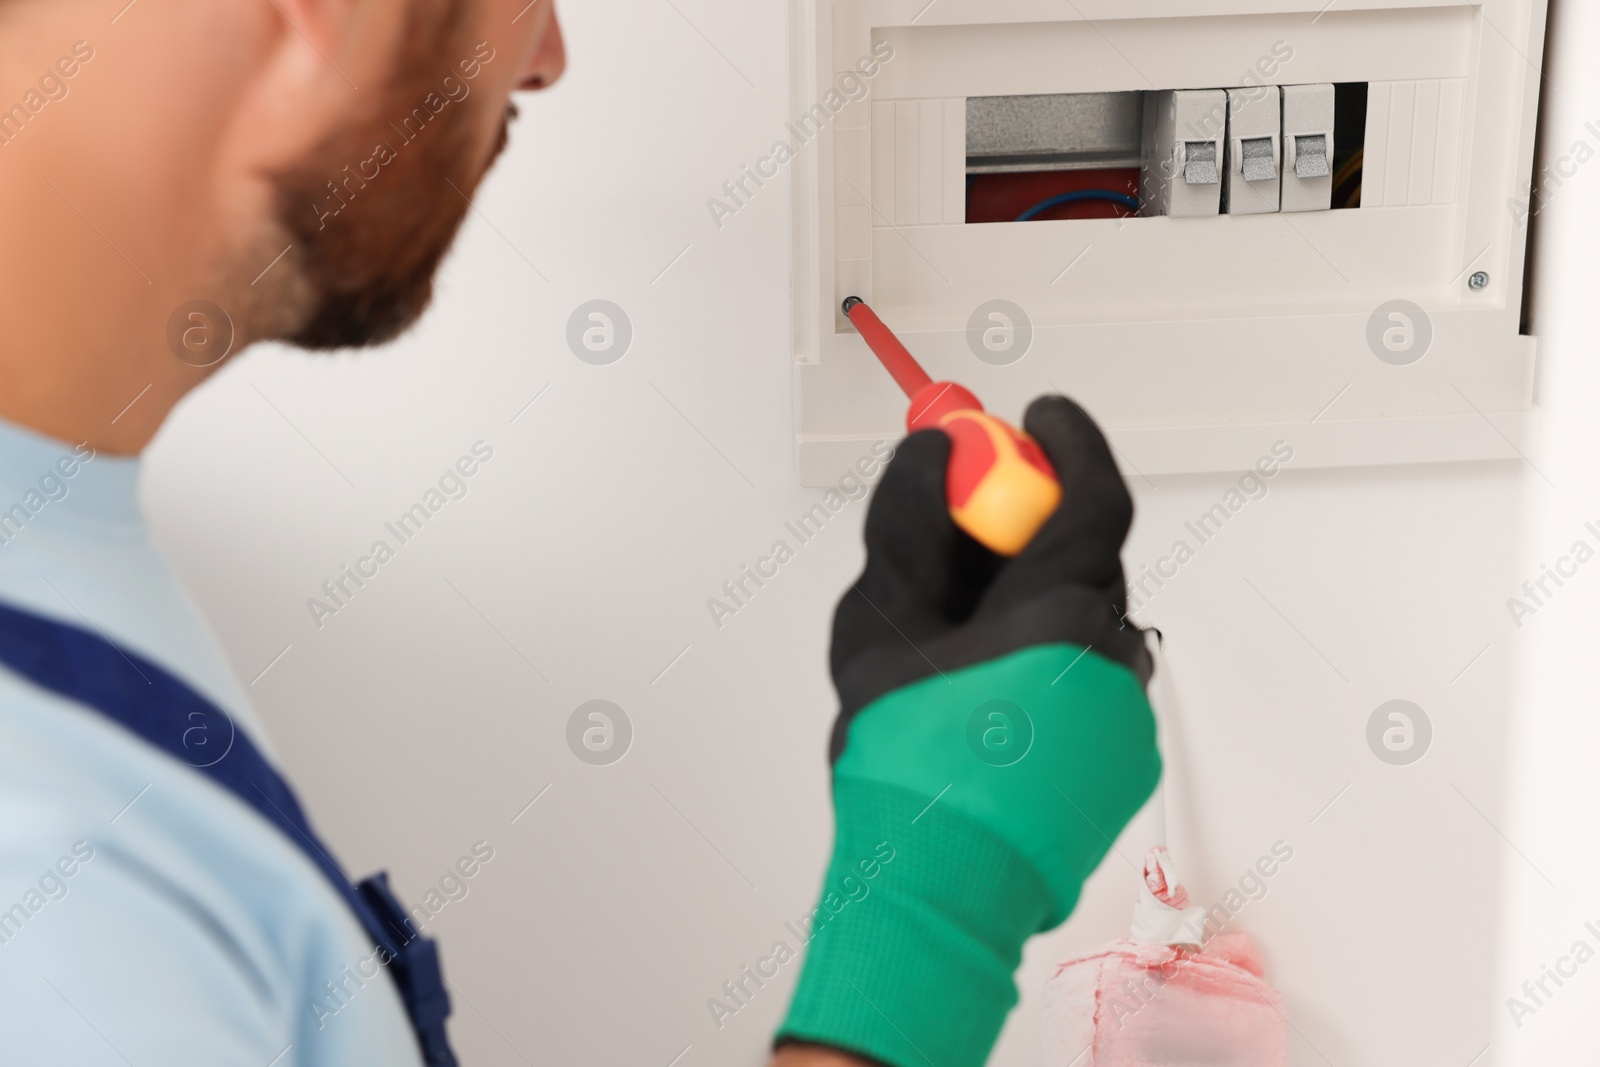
[323, 62]
[323, 24]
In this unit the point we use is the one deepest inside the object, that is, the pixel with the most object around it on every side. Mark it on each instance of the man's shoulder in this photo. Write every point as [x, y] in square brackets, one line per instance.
[128, 879]
[74, 785]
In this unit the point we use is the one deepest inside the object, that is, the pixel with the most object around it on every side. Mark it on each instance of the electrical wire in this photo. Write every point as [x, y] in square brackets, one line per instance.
[1107, 195]
[1349, 167]
[1347, 180]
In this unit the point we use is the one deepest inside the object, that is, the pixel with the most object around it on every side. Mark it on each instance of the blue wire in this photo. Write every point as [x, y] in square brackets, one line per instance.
[1129, 202]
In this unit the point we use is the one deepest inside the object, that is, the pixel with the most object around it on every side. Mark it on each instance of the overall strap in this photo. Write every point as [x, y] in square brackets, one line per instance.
[158, 707]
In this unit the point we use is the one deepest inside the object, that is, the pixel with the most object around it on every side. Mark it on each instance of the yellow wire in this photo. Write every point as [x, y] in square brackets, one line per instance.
[1350, 166]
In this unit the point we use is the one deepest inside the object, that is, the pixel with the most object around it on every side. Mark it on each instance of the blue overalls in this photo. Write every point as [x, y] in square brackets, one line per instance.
[153, 704]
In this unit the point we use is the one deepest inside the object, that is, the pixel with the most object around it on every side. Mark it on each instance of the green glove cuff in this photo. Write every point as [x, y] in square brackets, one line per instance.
[1051, 748]
[915, 967]
[997, 789]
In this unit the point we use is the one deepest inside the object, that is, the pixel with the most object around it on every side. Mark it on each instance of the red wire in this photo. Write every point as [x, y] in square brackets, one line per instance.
[901, 364]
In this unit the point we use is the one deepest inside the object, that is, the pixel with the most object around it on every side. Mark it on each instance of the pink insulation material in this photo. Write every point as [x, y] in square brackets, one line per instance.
[1145, 1003]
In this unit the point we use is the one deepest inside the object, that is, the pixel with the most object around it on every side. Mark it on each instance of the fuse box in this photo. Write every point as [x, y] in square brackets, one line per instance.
[1200, 218]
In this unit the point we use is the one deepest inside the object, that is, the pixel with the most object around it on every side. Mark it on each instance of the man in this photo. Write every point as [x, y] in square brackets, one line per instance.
[182, 178]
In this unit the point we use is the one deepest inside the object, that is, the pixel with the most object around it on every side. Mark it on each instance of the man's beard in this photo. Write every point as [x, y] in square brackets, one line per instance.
[366, 246]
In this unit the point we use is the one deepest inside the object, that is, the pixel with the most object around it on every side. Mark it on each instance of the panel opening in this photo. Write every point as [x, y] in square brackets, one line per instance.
[1079, 155]
[1349, 142]
[1053, 156]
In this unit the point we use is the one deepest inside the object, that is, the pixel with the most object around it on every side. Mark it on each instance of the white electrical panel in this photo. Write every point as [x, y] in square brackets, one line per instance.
[1217, 223]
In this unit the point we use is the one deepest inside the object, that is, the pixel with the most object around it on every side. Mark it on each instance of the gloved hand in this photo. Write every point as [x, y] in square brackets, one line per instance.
[994, 737]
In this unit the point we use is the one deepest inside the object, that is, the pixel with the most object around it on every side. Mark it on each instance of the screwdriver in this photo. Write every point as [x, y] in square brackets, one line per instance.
[999, 484]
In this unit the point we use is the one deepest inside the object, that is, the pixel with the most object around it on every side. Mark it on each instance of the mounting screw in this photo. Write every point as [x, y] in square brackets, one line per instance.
[1479, 281]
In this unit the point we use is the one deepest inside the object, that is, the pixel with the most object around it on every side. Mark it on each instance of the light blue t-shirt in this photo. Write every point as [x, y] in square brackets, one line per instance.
[147, 916]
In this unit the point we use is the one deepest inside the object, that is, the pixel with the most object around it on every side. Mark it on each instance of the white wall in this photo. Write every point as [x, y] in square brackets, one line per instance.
[427, 713]
[1551, 862]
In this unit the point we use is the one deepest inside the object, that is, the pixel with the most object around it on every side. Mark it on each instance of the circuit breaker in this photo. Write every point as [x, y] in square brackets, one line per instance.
[1181, 168]
[1308, 114]
[1254, 136]
[1193, 218]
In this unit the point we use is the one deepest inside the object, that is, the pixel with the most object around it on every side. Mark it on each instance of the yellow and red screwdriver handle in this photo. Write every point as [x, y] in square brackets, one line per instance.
[999, 484]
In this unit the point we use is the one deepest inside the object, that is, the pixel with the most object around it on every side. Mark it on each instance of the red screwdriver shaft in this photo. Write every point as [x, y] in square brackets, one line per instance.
[999, 484]
[901, 364]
